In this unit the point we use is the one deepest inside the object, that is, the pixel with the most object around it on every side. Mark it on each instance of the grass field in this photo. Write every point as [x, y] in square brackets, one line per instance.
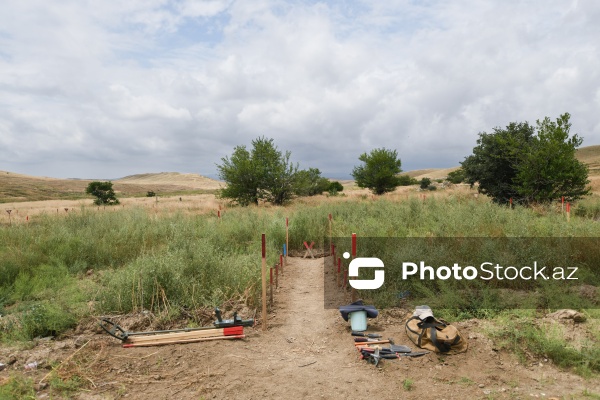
[174, 257]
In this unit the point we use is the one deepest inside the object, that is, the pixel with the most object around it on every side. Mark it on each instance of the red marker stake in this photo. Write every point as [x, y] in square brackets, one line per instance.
[281, 262]
[339, 270]
[264, 282]
[271, 286]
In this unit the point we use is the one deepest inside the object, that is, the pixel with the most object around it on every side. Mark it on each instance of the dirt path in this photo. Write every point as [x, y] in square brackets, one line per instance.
[308, 353]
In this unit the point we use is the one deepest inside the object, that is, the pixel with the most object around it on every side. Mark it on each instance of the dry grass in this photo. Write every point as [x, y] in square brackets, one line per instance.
[191, 181]
[432, 173]
[24, 212]
[20, 188]
[590, 155]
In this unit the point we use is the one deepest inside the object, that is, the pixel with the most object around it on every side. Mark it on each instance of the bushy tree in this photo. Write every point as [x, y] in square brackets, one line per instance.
[310, 182]
[424, 183]
[457, 176]
[263, 173]
[335, 186]
[105, 195]
[405, 180]
[528, 164]
[241, 178]
[378, 173]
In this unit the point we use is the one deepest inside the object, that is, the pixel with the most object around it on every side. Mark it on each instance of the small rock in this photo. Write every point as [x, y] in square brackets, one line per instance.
[481, 385]
[487, 391]
[40, 386]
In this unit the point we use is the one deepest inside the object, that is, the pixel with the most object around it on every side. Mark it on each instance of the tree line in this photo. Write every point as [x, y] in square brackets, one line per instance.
[521, 163]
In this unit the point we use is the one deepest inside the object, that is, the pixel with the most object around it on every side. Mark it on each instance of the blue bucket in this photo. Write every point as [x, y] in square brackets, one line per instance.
[358, 320]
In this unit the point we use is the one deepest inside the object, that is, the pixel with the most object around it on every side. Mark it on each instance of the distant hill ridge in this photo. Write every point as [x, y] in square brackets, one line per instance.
[173, 178]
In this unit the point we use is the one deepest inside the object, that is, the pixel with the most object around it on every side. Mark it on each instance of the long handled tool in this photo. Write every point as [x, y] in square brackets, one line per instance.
[222, 329]
[359, 344]
[369, 335]
[187, 336]
[176, 341]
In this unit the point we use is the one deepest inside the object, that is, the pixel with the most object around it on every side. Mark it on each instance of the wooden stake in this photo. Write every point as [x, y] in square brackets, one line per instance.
[277, 267]
[568, 212]
[183, 341]
[264, 281]
[330, 239]
[339, 270]
[281, 260]
[271, 286]
[197, 334]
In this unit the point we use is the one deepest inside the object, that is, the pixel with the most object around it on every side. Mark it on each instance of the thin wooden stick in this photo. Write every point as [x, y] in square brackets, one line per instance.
[182, 341]
[64, 361]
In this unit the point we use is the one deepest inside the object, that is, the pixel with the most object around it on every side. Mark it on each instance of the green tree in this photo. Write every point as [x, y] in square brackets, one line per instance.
[528, 164]
[457, 176]
[335, 187]
[549, 169]
[405, 180]
[263, 173]
[105, 195]
[309, 182]
[378, 173]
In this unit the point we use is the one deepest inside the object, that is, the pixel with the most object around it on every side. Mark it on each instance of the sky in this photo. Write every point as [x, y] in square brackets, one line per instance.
[106, 89]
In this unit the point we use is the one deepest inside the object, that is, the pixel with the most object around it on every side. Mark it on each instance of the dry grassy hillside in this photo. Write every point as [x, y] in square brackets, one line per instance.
[192, 181]
[591, 156]
[18, 187]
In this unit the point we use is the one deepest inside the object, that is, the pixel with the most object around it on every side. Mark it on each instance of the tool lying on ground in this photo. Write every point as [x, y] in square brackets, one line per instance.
[366, 340]
[228, 329]
[236, 321]
[397, 354]
[369, 335]
[360, 344]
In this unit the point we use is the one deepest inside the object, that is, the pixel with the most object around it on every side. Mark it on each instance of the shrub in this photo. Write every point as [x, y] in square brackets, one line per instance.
[425, 182]
[405, 180]
[457, 176]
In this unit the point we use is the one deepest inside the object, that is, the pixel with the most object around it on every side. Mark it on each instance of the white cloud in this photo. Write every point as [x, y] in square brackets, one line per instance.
[116, 84]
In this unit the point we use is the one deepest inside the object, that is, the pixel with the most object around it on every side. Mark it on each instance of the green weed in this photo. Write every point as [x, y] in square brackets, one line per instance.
[17, 387]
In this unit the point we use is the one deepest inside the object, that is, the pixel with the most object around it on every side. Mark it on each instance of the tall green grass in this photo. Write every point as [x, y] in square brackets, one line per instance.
[93, 263]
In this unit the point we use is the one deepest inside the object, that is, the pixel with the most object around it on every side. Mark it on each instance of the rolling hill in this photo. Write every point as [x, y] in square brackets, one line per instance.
[16, 187]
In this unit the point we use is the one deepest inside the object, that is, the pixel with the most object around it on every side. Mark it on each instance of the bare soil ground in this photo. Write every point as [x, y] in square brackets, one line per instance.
[307, 352]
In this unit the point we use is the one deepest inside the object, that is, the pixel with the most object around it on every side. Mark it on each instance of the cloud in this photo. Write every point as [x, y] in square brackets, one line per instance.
[116, 88]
